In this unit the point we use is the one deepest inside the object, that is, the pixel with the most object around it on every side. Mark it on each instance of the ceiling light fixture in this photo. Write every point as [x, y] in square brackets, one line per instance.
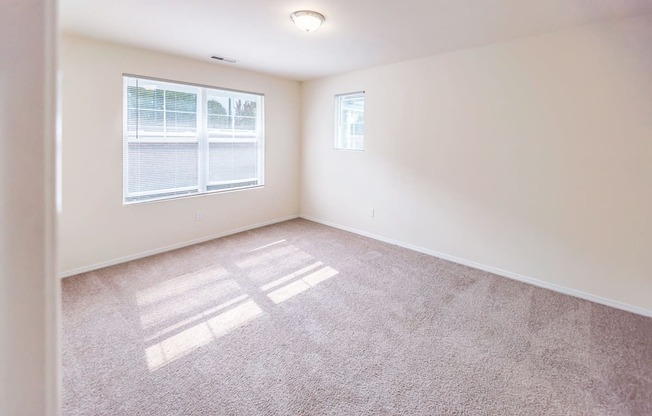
[307, 20]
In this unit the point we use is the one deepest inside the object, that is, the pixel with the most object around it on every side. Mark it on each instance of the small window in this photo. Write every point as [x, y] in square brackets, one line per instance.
[183, 139]
[349, 116]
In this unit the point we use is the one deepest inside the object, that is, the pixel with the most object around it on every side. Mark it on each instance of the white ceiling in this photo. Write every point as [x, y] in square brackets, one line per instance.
[357, 33]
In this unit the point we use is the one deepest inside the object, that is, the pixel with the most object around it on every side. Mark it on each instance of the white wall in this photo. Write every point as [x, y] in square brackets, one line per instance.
[532, 156]
[95, 227]
[29, 289]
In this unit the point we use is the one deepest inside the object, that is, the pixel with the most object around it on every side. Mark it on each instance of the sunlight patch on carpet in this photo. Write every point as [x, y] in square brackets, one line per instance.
[267, 245]
[291, 290]
[189, 340]
[290, 276]
[171, 288]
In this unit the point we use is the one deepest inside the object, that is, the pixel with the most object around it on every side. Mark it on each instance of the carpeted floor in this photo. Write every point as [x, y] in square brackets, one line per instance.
[302, 319]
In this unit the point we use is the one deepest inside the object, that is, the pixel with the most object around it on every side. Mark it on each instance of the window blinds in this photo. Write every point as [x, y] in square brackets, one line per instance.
[183, 139]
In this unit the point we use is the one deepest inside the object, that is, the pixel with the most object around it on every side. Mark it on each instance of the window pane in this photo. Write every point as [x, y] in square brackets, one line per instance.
[245, 114]
[245, 123]
[218, 105]
[232, 162]
[150, 120]
[220, 113]
[219, 122]
[180, 122]
[244, 107]
[350, 116]
[140, 97]
[162, 166]
[132, 120]
[180, 101]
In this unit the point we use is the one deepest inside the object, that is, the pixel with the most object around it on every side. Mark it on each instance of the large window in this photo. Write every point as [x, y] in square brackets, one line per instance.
[349, 116]
[182, 139]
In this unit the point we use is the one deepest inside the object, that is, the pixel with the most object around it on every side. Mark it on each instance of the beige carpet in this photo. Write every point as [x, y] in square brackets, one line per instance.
[303, 319]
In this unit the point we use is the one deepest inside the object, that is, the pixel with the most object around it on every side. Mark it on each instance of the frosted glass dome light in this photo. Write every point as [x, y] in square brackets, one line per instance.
[307, 20]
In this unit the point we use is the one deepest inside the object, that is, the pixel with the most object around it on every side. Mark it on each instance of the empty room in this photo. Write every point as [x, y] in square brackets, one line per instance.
[326, 207]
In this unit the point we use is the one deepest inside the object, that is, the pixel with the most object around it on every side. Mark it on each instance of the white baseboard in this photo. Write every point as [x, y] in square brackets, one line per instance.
[500, 272]
[148, 253]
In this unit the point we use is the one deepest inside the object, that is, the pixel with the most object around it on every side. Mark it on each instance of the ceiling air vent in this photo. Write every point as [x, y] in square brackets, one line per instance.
[221, 58]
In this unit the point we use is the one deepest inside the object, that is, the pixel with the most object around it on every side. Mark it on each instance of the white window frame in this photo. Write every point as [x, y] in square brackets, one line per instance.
[340, 143]
[203, 140]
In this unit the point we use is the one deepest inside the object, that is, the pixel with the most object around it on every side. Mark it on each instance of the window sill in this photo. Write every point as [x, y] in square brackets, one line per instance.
[195, 195]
